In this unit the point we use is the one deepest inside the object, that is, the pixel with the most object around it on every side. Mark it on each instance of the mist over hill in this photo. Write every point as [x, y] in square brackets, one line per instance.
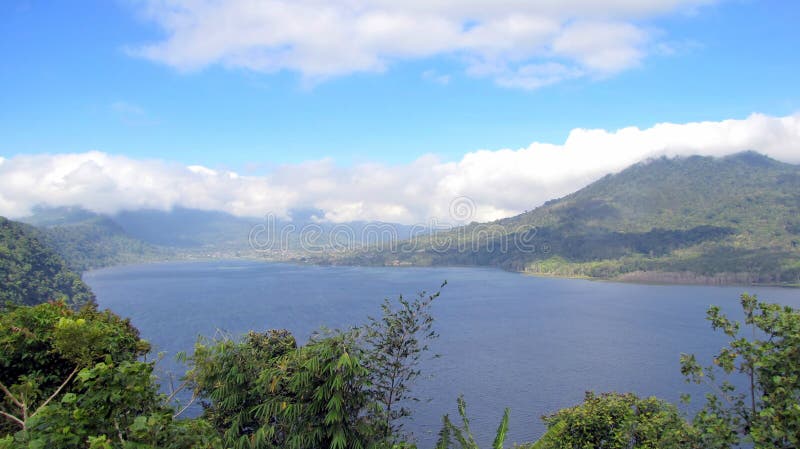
[88, 240]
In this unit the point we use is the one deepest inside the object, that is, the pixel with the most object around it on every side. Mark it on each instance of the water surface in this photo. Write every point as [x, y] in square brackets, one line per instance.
[507, 340]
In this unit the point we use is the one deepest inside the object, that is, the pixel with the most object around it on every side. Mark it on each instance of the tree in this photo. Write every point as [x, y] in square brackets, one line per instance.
[44, 347]
[73, 379]
[395, 343]
[318, 396]
[617, 421]
[225, 374]
[265, 392]
[767, 412]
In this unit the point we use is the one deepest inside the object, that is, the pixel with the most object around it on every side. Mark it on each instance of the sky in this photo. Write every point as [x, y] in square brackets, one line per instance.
[377, 109]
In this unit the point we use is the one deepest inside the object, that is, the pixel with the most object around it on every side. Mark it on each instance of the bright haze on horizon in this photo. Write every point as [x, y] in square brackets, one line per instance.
[378, 110]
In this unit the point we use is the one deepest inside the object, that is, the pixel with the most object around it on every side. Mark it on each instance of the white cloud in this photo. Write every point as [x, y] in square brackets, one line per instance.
[320, 39]
[500, 182]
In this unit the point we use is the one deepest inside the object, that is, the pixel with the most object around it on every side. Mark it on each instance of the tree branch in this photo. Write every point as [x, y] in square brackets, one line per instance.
[58, 390]
[185, 407]
[13, 418]
[176, 391]
[11, 396]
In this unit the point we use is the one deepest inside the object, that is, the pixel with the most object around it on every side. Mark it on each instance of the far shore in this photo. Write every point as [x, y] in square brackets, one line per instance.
[640, 277]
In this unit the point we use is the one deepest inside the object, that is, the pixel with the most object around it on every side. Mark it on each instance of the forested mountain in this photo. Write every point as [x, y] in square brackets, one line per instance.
[697, 219]
[87, 240]
[31, 272]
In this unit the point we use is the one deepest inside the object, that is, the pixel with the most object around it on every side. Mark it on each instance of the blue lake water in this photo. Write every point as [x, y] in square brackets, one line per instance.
[506, 340]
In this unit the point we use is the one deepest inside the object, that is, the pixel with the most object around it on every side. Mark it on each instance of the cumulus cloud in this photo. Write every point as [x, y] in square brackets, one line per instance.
[500, 182]
[511, 41]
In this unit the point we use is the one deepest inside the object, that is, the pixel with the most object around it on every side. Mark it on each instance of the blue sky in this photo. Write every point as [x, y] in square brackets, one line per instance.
[69, 85]
[376, 109]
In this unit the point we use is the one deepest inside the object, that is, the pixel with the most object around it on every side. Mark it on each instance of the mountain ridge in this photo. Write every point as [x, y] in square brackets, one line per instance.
[733, 219]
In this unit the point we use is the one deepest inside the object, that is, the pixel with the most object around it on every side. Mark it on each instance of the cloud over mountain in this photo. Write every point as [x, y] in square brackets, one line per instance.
[499, 182]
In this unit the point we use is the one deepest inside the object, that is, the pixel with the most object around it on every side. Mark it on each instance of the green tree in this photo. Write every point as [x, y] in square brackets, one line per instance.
[617, 421]
[395, 344]
[72, 379]
[338, 391]
[265, 392]
[42, 348]
[767, 412]
[318, 396]
[225, 373]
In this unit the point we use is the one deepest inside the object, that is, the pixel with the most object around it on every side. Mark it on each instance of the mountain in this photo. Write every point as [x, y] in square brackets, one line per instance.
[187, 228]
[87, 240]
[31, 272]
[695, 219]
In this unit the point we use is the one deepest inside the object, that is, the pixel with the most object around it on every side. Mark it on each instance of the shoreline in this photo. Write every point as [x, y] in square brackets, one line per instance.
[645, 280]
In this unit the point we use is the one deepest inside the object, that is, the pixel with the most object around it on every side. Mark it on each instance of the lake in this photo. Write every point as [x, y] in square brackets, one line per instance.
[507, 340]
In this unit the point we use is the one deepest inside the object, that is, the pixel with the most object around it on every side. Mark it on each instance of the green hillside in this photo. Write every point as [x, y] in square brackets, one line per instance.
[31, 272]
[697, 219]
[87, 240]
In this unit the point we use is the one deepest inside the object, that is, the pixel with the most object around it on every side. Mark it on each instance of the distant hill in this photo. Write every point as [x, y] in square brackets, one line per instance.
[187, 228]
[87, 240]
[692, 220]
[31, 272]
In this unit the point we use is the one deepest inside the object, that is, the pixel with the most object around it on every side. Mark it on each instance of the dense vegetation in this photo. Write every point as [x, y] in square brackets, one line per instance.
[86, 240]
[696, 219]
[30, 272]
[74, 380]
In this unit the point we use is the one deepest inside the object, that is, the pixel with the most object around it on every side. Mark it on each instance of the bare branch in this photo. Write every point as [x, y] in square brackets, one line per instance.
[11, 396]
[175, 391]
[58, 390]
[13, 418]
[185, 407]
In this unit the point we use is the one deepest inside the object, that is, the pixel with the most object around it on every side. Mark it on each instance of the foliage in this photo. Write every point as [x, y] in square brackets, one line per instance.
[72, 379]
[451, 435]
[318, 397]
[340, 390]
[118, 405]
[225, 373]
[31, 273]
[265, 392]
[43, 347]
[618, 421]
[395, 344]
[767, 413]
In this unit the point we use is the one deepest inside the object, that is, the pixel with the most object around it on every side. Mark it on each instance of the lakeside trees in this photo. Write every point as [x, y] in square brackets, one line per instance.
[73, 380]
[767, 353]
[76, 379]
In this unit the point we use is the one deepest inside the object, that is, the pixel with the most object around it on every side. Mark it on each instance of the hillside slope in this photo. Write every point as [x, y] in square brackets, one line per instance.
[87, 240]
[32, 273]
[697, 219]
